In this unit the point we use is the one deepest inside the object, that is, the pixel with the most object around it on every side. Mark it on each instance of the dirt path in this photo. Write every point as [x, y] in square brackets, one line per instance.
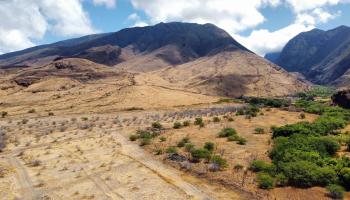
[169, 175]
[25, 182]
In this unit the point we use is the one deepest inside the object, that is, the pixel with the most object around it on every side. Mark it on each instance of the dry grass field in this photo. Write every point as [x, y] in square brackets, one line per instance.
[89, 156]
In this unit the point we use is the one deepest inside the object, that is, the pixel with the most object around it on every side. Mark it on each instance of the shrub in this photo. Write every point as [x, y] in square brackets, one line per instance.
[265, 181]
[336, 191]
[3, 114]
[189, 147]
[219, 161]
[31, 111]
[259, 131]
[281, 180]
[277, 103]
[261, 166]
[216, 119]
[240, 112]
[302, 116]
[230, 119]
[133, 137]
[157, 125]
[144, 134]
[241, 141]
[347, 142]
[162, 139]
[84, 118]
[210, 146]
[344, 177]
[35, 163]
[159, 151]
[51, 114]
[301, 173]
[171, 150]
[238, 167]
[177, 125]
[227, 132]
[233, 138]
[186, 123]
[201, 153]
[145, 141]
[183, 142]
[198, 121]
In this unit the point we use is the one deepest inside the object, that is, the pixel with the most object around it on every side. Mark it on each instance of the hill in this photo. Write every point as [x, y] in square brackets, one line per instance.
[163, 65]
[323, 57]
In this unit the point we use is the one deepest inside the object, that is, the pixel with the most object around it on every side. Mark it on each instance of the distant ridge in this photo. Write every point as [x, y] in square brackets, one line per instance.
[323, 57]
[191, 41]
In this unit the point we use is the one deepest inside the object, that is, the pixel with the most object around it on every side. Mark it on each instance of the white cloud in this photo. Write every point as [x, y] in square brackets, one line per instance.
[304, 5]
[233, 16]
[107, 3]
[237, 16]
[137, 20]
[263, 41]
[25, 21]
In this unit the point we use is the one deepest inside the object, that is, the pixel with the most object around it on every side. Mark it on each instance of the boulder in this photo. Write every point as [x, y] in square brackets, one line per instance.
[177, 157]
[342, 98]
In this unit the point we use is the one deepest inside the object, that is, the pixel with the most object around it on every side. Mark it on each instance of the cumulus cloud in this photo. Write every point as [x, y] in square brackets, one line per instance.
[107, 3]
[25, 21]
[233, 16]
[238, 16]
[304, 5]
[263, 41]
[137, 20]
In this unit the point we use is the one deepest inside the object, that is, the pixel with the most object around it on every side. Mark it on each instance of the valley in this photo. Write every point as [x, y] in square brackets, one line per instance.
[170, 111]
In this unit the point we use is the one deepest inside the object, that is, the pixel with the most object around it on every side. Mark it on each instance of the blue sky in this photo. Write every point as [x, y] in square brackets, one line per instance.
[261, 25]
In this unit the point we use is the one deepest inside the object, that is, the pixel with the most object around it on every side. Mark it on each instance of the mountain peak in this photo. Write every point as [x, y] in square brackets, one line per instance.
[190, 40]
[321, 56]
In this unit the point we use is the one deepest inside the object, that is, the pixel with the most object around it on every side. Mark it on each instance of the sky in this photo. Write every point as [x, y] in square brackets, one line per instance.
[263, 26]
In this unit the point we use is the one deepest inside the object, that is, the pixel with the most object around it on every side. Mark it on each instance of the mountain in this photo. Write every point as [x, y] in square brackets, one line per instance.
[272, 56]
[323, 57]
[171, 43]
[163, 65]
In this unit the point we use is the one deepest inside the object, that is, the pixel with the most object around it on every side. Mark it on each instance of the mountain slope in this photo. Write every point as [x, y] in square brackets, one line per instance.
[322, 57]
[174, 58]
[230, 74]
[191, 41]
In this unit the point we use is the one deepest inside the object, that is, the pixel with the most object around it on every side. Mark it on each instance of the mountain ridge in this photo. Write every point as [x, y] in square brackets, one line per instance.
[193, 58]
[193, 41]
[323, 57]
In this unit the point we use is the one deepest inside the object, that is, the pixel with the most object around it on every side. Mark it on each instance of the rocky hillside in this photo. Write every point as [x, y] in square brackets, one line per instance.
[323, 57]
[185, 57]
[173, 43]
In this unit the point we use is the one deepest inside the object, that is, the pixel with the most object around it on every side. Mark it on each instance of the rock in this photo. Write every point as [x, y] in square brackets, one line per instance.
[342, 98]
[25, 82]
[62, 65]
[185, 165]
[177, 157]
[213, 167]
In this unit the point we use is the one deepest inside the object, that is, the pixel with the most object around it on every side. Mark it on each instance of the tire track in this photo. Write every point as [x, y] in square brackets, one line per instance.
[170, 176]
[24, 180]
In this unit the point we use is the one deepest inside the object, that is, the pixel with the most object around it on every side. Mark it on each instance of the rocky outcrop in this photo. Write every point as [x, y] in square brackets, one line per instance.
[342, 98]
